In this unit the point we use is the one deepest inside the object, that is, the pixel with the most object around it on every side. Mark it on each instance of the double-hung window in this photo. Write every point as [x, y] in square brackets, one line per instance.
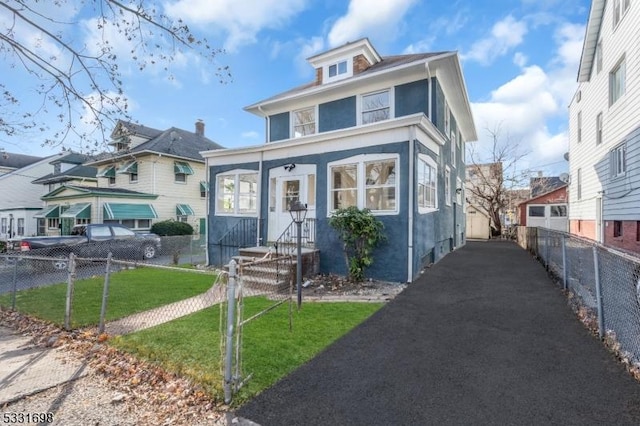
[599, 129]
[304, 122]
[376, 107]
[617, 83]
[365, 181]
[620, 7]
[447, 186]
[619, 161]
[579, 126]
[427, 178]
[337, 69]
[237, 193]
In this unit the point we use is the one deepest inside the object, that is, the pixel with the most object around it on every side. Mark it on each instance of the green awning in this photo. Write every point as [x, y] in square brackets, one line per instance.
[78, 211]
[184, 210]
[50, 211]
[203, 186]
[108, 172]
[129, 211]
[181, 167]
[130, 167]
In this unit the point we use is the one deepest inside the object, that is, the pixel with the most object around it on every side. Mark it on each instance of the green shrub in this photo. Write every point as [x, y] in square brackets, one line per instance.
[361, 232]
[171, 227]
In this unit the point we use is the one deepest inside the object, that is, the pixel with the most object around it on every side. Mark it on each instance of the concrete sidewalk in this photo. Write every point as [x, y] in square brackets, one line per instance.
[26, 369]
[484, 337]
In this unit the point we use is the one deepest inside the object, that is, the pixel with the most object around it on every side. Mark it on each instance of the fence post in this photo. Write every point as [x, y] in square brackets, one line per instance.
[105, 294]
[596, 267]
[14, 289]
[231, 303]
[565, 274]
[546, 250]
[70, 283]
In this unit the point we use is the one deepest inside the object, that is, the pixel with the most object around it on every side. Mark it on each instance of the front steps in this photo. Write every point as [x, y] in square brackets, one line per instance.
[261, 270]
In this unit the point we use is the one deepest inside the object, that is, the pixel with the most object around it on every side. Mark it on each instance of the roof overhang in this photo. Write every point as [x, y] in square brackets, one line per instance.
[592, 32]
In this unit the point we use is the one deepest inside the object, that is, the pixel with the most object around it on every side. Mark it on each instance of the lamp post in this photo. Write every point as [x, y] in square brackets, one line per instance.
[298, 213]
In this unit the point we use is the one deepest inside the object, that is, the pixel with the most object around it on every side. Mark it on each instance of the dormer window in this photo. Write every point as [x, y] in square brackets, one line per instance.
[337, 69]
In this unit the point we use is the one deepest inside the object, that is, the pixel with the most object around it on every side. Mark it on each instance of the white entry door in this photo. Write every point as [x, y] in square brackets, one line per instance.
[285, 189]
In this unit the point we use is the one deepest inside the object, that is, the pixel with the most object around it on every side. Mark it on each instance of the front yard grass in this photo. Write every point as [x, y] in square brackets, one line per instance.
[130, 291]
[191, 345]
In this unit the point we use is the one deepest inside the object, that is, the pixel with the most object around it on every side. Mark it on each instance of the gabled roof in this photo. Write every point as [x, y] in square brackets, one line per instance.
[533, 199]
[71, 158]
[95, 191]
[173, 142]
[592, 32]
[450, 75]
[11, 160]
[544, 185]
[126, 127]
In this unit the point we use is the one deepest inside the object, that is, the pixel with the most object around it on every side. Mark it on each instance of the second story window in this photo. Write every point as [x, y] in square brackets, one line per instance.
[181, 170]
[375, 107]
[579, 126]
[304, 122]
[130, 168]
[617, 82]
[619, 161]
[599, 129]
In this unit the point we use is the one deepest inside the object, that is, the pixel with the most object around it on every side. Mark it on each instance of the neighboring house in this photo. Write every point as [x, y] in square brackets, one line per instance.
[546, 210]
[483, 188]
[384, 133]
[19, 198]
[151, 175]
[604, 130]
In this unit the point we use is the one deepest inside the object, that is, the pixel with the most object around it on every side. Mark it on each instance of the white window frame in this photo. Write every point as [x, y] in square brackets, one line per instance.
[453, 149]
[421, 182]
[579, 126]
[617, 81]
[361, 110]
[447, 119]
[339, 76]
[619, 161]
[447, 186]
[295, 125]
[599, 128]
[236, 173]
[620, 8]
[360, 161]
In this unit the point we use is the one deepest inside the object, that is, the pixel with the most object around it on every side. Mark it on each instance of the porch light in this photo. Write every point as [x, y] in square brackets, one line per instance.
[298, 212]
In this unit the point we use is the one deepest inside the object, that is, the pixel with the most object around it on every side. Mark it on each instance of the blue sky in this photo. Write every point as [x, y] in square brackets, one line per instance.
[519, 59]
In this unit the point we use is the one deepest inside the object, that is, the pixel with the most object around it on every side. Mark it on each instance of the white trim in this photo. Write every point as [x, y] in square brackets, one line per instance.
[360, 161]
[434, 165]
[292, 124]
[447, 185]
[359, 109]
[348, 60]
[236, 173]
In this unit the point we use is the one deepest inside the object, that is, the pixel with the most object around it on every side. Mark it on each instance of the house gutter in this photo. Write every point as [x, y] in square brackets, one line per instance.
[207, 199]
[412, 138]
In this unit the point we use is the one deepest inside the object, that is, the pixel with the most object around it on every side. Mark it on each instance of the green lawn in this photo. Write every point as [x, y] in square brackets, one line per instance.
[191, 345]
[130, 291]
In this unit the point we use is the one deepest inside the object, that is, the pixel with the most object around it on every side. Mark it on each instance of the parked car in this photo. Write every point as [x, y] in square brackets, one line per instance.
[91, 241]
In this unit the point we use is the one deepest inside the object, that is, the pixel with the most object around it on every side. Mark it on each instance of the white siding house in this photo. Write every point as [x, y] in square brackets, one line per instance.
[19, 198]
[604, 133]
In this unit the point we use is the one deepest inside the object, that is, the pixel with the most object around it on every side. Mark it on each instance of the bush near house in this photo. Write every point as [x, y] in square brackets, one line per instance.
[361, 232]
[178, 237]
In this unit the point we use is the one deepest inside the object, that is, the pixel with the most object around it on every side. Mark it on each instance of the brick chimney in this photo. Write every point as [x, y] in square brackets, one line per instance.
[200, 127]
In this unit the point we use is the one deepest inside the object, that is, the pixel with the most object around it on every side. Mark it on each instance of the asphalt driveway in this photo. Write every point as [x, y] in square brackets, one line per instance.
[484, 337]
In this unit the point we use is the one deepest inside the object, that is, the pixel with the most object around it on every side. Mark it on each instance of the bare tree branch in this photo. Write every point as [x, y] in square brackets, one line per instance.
[80, 83]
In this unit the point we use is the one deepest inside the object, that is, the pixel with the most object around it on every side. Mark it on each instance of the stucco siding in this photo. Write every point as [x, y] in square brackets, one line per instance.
[337, 114]
[411, 98]
[279, 126]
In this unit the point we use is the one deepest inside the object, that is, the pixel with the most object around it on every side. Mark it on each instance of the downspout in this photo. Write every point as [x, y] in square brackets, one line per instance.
[206, 208]
[259, 203]
[412, 138]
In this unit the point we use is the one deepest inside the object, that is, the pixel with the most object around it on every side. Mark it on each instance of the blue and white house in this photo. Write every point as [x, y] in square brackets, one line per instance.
[386, 133]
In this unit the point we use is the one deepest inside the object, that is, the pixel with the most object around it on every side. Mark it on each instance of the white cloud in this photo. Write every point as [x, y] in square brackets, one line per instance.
[251, 135]
[525, 105]
[505, 35]
[240, 20]
[364, 19]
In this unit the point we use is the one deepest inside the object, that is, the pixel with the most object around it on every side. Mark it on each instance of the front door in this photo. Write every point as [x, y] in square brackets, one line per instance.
[285, 188]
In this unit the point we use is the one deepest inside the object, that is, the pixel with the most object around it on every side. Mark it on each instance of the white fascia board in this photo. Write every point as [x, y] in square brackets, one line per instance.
[592, 32]
[380, 133]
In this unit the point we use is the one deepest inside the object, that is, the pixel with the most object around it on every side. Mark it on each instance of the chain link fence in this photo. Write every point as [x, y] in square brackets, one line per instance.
[602, 283]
